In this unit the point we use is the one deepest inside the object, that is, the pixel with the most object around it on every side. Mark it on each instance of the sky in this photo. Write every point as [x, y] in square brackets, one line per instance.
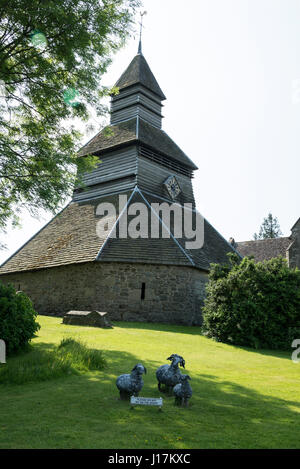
[230, 70]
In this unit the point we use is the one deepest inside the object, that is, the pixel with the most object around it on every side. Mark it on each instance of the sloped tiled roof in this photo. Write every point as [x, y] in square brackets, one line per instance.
[110, 137]
[160, 250]
[264, 249]
[138, 72]
[71, 237]
[136, 130]
[296, 224]
[159, 140]
[215, 247]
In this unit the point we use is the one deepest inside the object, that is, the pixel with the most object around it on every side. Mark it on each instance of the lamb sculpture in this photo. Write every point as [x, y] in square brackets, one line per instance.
[169, 375]
[131, 384]
[183, 391]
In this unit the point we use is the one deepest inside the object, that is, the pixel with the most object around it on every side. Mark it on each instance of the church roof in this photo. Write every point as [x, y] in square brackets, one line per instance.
[136, 130]
[264, 249]
[138, 72]
[295, 224]
[71, 238]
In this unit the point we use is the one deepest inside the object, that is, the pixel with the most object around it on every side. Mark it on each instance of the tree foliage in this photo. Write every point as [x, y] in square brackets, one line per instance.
[52, 56]
[17, 318]
[269, 228]
[253, 304]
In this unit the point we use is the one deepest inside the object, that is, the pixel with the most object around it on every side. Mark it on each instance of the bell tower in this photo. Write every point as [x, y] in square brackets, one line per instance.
[134, 150]
[134, 278]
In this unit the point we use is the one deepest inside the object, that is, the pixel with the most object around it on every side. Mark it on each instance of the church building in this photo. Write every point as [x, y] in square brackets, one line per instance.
[287, 247]
[69, 265]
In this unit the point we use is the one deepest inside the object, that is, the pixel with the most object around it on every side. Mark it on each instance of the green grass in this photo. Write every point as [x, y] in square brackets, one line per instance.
[38, 364]
[242, 398]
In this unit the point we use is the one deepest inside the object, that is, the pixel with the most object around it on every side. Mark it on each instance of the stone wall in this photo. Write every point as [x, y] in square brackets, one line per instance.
[173, 294]
[293, 253]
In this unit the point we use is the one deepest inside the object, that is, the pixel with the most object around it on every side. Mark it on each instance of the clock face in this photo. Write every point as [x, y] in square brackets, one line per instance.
[172, 186]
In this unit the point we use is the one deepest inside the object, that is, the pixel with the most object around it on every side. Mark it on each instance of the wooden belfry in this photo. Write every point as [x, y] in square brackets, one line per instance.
[67, 266]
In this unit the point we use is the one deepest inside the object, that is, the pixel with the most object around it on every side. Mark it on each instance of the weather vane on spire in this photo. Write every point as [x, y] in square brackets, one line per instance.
[141, 29]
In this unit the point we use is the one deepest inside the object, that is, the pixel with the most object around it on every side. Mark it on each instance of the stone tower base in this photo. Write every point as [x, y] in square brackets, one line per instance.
[130, 292]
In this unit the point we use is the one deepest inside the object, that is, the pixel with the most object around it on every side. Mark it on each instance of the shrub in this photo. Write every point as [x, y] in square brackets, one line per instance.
[17, 318]
[70, 357]
[253, 304]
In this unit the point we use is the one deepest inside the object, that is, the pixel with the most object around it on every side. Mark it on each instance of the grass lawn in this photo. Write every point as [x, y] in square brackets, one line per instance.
[242, 398]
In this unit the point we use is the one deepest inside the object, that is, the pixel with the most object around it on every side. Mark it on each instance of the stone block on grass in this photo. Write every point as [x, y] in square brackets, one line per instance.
[87, 318]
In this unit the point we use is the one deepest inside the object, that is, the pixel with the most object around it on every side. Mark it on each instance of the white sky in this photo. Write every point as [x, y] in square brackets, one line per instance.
[230, 70]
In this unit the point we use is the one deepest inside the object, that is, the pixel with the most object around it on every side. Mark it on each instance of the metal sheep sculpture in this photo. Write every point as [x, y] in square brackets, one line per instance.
[169, 375]
[131, 384]
[183, 391]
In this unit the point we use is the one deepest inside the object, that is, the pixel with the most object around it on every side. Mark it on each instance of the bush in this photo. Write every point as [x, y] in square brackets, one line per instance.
[17, 319]
[253, 304]
[70, 357]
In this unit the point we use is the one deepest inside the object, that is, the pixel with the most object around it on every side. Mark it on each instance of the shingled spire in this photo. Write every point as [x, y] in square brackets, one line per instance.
[138, 72]
[136, 118]
[139, 94]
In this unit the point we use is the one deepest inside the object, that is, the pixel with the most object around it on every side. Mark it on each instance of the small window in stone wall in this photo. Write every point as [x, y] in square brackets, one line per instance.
[143, 291]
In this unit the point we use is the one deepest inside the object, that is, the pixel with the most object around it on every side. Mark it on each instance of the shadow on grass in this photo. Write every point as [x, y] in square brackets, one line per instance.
[194, 330]
[235, 415]
[44, 362]
[84, 412]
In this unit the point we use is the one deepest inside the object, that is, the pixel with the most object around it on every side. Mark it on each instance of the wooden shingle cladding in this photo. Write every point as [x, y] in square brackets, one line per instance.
[135, 165]
[117, 172]
[138, 72]
[137, 101]
[136, 110]
[151, 177]
[110, 138]
[139, 95]
[161, 159]
[139, 131]
[160, 141]
[134, 94]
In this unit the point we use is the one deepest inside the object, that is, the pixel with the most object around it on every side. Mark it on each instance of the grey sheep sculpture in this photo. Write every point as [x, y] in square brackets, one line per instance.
[183, 391]
[131, 384]
[169, 375]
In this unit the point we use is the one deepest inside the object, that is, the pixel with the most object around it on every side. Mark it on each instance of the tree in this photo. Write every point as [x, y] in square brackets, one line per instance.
[253, 304]
[17, 318]
[52, 56]
[269, 228]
